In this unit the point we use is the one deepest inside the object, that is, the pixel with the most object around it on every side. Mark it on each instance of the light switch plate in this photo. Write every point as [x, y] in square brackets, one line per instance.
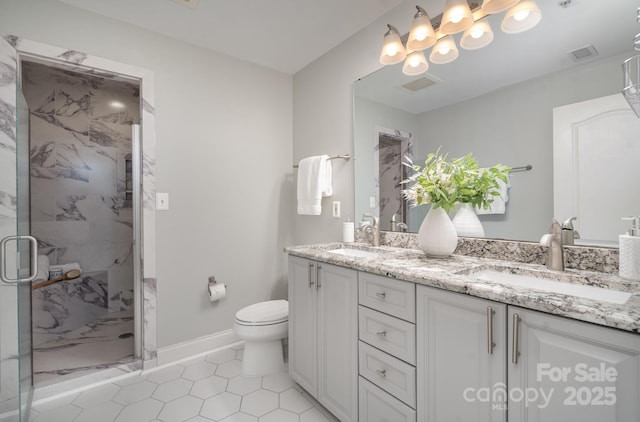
[162, 201]
[372, 201]
[336, 209]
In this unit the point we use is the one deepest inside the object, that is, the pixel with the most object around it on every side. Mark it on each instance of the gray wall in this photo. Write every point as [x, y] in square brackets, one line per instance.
[323, 118]
[217, 119]
[514, 126]
[323, 121]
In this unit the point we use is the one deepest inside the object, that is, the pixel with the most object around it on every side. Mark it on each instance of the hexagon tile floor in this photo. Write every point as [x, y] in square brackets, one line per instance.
[205, 389]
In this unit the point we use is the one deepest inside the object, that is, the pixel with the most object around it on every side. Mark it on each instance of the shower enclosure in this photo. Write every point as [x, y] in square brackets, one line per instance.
[135, 191]
[16, 263]
[82, 215]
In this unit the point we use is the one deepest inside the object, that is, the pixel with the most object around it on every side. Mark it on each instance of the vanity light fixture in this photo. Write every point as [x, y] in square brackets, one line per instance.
[415, 64]
[445, 51]
[478, 36]
[491, 7]
[458, 16]
[521, 17]
[392, 49]
[421, 35]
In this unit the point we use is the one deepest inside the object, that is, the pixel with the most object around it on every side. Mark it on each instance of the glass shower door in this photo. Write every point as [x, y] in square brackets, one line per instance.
[18, 266]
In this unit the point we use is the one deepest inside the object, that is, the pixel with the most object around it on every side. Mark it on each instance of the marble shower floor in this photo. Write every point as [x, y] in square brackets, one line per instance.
[205, 389]
[88, 349]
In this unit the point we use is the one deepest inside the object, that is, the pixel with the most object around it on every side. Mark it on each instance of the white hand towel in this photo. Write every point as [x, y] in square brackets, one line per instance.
[43, 268]
[314, 182]
[71, 266]
[499, 204]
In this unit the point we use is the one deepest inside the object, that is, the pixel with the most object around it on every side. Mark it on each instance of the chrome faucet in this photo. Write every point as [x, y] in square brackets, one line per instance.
[397, 226]
[372, 231]
[553, 240]
[569, 233]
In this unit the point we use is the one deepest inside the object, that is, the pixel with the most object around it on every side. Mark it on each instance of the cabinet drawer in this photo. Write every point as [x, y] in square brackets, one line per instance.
[393, 297]
[378, 406]
[394, 336]
[392, 375]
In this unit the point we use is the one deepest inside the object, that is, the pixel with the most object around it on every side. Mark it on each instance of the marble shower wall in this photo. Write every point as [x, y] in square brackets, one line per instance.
[80, 206]
[392, 152]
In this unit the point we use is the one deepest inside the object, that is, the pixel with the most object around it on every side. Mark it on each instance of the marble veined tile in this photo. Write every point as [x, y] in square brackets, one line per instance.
[62, 307]
[43, 155]
[97, 256]
[43, 207]
[46, 129]
[62, 234]
[59, 181]
[67, 210]
[110, 135]
[88, 348]
[7, 120]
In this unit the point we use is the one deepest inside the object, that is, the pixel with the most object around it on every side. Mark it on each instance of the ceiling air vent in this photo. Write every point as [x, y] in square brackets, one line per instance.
[423, 82]
[583, 53]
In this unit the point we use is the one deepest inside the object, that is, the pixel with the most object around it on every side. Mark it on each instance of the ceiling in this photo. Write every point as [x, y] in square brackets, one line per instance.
[513, 58]
[285, 35]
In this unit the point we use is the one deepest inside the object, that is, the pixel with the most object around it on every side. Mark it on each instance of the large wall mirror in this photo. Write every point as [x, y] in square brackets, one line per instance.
[505, 103]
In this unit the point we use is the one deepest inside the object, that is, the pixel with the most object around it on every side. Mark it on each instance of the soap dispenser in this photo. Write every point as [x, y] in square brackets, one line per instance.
[630, 251]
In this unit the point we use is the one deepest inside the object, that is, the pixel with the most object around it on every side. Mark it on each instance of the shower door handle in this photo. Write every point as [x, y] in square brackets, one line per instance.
[33, 255]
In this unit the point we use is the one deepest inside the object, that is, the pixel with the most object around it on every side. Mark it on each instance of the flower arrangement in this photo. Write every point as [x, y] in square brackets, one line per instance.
[446, 183]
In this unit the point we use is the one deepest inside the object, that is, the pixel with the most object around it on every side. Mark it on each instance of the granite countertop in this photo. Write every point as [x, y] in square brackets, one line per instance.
[454, 274]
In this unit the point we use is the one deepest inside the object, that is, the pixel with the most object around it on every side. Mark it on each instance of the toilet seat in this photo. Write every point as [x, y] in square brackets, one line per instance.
[264, 313]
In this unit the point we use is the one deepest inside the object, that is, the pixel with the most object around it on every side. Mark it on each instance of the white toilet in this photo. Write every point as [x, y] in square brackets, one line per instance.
[262, 326]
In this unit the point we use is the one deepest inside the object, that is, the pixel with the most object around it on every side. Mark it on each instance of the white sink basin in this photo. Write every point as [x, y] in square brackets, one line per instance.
[572, 289]
[355, 253]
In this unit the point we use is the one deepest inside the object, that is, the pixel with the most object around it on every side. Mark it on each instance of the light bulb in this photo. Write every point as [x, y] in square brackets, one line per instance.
[456, 16]
[477, 33]
[414, 62]
[521, 15]
[444, 49]
[421, 34]
[391, 50]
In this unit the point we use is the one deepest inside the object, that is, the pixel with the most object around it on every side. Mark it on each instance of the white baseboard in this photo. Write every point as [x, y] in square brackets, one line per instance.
[197, 346]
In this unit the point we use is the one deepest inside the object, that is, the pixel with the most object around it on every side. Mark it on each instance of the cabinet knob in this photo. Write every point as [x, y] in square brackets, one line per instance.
[381, 295]
[381, 333]
[381, 372]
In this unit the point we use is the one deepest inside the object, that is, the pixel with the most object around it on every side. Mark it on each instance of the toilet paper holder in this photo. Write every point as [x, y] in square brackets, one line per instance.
[212, 280]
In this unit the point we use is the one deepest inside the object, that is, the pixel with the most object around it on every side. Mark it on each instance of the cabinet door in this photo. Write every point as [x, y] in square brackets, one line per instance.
[457, 370]
[337, 289]
[303, 358]
[571, 371]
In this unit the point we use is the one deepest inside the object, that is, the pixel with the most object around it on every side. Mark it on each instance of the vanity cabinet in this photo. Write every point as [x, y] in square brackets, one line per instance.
[387, 349]
[461, 357]
[323, 334]
[484, 361]
[571, 371]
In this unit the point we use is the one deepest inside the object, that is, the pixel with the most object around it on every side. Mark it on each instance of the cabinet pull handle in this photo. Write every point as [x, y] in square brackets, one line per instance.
[381, 295]
[382, 333]
[490, 343]
[311, 265]
[516, 333]
[318, 285]
[381, 372]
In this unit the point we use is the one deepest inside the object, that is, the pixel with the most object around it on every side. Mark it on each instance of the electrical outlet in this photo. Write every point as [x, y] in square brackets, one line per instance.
[372, 201]
[162, 201]
[336, 209]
